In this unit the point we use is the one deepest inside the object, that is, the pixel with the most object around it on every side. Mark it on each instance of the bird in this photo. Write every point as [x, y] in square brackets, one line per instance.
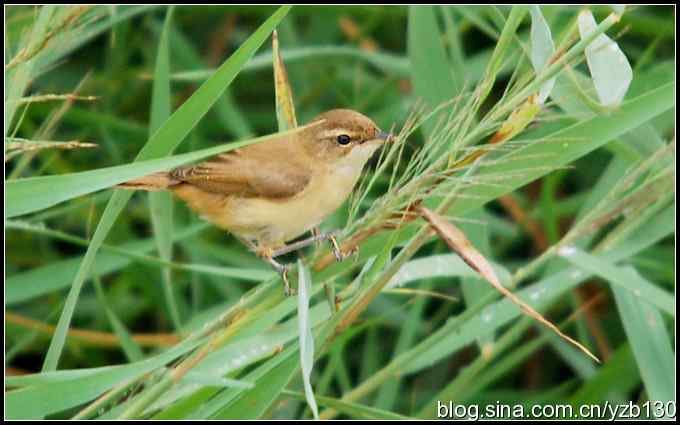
[270, 193]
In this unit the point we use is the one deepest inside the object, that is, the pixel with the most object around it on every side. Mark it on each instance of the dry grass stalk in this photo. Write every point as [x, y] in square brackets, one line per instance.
[457, 241]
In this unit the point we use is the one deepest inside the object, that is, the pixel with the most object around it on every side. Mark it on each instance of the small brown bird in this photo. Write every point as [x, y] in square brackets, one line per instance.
[269, 193]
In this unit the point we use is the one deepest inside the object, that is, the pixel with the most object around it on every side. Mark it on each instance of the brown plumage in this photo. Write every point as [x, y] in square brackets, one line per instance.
[271, 192]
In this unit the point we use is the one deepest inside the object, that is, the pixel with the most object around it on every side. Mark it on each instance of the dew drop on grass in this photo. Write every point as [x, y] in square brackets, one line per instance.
[567, 251]
[487, 316]
[536, 294]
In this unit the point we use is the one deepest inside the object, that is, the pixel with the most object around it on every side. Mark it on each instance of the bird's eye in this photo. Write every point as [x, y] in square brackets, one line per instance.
[344, 139]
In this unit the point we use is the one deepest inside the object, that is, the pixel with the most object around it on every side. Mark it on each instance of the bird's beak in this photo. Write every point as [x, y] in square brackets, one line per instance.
[380, 138]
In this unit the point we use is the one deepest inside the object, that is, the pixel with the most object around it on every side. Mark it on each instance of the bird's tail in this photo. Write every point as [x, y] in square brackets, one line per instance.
[151, 183]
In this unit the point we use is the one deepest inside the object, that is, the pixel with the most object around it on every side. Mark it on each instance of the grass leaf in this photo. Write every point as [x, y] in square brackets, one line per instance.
[432, 79]
[20, 76]
[306, 337]
[608, 66]
[542, 49]
[132, 350]
[30, 284]
[285, 107]
[161, 203]
[621, 277]
[649, 340]
[45, 396]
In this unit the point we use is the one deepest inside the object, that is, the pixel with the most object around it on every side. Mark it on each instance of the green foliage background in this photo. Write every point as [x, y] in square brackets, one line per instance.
[589, 238]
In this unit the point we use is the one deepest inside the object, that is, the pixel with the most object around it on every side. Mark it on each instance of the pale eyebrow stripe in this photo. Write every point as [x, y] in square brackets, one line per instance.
[328, 134]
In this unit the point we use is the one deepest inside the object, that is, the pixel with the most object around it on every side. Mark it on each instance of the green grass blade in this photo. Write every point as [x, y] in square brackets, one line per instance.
[285, 105]
[27, 285]
[33, 194]
[608, 65]
[650, 342]
[439, 265]
[481, 318]
[432, 79]
[231, 116]
[538, 295]
[253, 403]
[161, 203]
[502, 50]
[622, 277]
[66, 43]
[390, 64]
[113, 208]
[566, 145]
[542, 49]
[214, 381]
[556, 149]
[609, 376]
[305, 335]
[241, 354]
[132, 350]
[386, 62]
[47, 397]
[455, 47]
[474, 288]
[389, 392]
[459, 386]
[134, 251]
[18, 79]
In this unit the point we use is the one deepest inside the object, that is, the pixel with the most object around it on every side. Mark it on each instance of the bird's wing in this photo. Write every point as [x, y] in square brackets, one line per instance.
[256, 172]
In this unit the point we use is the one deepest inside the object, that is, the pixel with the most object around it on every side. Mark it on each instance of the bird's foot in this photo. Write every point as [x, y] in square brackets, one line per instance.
[267, 254]
[337, 251]
[287, 290]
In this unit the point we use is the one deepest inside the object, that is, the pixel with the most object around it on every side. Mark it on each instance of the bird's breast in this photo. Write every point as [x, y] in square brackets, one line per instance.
[280, 220]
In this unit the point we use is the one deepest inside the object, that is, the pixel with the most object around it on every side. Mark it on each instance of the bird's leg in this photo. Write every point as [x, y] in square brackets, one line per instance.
[316, 232]
[329, 236]
[329, 287]
[266, 255]
[283, 271]
[300, 244]
[339, 256]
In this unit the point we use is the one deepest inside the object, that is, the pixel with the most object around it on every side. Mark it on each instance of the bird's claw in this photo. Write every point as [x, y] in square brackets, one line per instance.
[337, 251]
[287, 290]
[283, 271]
